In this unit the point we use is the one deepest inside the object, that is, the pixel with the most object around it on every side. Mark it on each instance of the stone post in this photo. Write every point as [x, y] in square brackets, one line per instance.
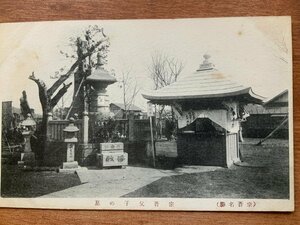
[70, 165]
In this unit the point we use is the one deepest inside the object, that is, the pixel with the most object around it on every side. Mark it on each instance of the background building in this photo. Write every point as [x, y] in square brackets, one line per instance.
[265, 118]
[119, 110]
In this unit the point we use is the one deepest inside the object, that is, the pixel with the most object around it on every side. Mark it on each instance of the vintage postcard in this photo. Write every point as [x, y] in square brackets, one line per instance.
[175, 114]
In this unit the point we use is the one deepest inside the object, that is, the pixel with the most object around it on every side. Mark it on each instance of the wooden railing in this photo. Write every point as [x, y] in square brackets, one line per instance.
[133, 129]
[55, 131]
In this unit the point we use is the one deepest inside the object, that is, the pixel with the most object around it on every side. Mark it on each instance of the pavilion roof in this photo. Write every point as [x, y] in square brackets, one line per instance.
[205, 83]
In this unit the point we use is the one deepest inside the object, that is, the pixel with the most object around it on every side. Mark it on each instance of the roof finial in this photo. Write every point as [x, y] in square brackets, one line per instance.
[99, 60]
[206, 65]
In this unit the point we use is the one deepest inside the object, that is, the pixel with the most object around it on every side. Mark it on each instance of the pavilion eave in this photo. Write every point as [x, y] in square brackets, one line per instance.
[245, 95]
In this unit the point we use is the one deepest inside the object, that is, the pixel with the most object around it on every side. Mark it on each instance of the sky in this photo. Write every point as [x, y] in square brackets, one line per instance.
[254, 51]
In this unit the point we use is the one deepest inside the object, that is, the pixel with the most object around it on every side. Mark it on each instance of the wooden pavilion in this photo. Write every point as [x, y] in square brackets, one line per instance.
[209, 107]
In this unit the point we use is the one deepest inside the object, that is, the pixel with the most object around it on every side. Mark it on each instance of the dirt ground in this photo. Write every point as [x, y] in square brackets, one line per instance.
[264, 173]
[28, 184]
[119, 182]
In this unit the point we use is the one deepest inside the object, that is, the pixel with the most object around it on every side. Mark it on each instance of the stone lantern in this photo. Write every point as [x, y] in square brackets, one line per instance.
[71, 140]
[28, 127]
[99, 80]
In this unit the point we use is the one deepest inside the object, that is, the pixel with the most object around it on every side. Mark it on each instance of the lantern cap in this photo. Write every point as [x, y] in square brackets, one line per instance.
[99, 74]
[29, 122]
[71, 128]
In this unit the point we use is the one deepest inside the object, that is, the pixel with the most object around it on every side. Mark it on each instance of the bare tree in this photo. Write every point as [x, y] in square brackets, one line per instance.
[281, 49]
[93, 40]
[164, 70]
[130, 91]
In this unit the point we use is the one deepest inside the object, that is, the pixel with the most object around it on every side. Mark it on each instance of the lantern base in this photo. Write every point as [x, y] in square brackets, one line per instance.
[69, 167]
[27, 159]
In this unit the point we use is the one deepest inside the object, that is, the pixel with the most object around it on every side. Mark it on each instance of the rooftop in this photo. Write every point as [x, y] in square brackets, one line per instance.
[206, 83]
[260, 109]
[280, 99]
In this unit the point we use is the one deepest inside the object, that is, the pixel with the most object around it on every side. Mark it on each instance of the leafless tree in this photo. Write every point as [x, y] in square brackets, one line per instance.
[93, 40]
[164, 70]
[130, 90]
[281, 49]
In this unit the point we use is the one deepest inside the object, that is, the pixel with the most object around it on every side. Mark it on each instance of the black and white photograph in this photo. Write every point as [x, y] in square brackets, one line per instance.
[158, 114]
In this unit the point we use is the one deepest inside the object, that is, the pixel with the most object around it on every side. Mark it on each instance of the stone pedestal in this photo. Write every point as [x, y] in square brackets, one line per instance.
[70, 165]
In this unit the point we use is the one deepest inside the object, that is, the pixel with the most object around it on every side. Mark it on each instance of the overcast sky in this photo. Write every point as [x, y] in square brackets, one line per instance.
[253, 51]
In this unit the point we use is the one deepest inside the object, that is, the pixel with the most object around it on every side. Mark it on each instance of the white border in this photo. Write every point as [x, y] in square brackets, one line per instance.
[170, 204]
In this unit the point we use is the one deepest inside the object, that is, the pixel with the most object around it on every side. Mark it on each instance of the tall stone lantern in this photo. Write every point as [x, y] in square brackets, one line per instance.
[28, 127]
[99, 99]
[71, 140]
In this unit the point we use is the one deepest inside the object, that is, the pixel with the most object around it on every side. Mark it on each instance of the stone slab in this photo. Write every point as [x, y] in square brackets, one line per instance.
[83, 174]
[70, 165]
[67, 170]
[74, 170]
[112, 159]
[111, 146]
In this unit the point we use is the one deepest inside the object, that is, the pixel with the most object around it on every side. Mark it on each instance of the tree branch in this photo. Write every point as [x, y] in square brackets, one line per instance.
[62, 78]
[59, 95]
[42, 92]
[65, 76]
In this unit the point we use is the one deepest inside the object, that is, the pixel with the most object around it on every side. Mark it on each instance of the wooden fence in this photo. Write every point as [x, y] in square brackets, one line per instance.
[133, 130]
[55, 131]
[139, 130]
